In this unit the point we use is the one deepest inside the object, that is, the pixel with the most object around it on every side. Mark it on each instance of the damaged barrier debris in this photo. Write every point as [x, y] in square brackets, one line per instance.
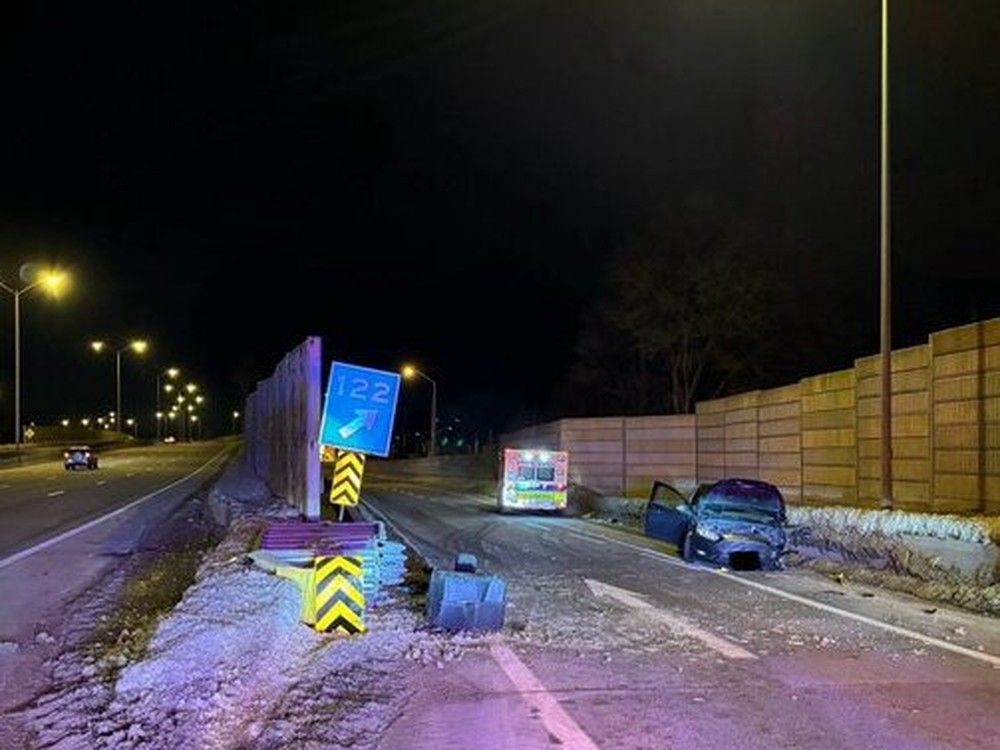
[462, 599]
[303, 550]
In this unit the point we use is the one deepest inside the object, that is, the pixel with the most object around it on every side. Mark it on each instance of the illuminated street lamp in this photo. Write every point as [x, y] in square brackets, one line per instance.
[410, 372]
[236, 415]
[173, 373]
[137, 346]
[191, 388]
[53, 282]
[85, 422]
[65, 423]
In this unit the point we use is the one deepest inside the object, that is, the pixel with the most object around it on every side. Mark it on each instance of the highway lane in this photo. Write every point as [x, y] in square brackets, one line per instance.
[42, 500]
[639, 650]
[66, 540]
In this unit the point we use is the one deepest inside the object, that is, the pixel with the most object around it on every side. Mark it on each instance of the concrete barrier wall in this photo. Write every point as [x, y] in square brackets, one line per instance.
[618, 455]
[281, 428]
[819, 440]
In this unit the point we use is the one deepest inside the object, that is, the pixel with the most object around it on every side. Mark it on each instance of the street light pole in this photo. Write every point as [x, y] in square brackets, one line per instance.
[886, 501]
[17, 370]
[118, 390]
[53, 280]
[408, 372]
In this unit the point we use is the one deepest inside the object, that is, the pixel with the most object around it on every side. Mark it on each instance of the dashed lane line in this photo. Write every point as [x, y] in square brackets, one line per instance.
[927, 640]
[28, 552]
[55, 493]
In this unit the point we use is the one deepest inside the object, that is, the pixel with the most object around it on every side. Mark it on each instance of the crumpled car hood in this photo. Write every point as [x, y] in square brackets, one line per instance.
[769, 533]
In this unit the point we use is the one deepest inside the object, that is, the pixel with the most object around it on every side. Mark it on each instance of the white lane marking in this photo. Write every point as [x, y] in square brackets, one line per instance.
[55, 493]
[18, 556]
[5, 486]
[130, 474]
[888, 627]
[559, 723]
[675, 622]
[101, 482]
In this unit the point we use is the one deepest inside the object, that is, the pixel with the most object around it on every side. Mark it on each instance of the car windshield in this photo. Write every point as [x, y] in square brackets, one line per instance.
[736, 511]
[757, 506]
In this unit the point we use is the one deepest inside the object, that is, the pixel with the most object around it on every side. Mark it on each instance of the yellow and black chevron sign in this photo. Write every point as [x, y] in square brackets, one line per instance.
[348, 471]
[340, 601]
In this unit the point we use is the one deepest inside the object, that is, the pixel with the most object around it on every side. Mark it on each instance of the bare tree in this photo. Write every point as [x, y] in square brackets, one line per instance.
[684, 316]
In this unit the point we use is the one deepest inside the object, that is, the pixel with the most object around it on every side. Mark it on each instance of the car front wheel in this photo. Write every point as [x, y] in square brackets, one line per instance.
[687, 548]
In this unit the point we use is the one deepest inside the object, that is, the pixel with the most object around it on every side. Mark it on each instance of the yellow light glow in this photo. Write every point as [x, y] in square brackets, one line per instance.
[53, 281]
[236, 415]
[168, 387]
[139, 346]
[173, 372]
[191, 387]
[409, 371]
[97, 346]
[194, 418]
[65, 423]
[199, 399]
[159, 415]
[130, 421]
[85, 422]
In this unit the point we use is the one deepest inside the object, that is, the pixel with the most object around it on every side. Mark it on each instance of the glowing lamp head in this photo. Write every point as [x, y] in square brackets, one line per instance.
[139, 346]
[97, 346]
[173, 373]
[53, 281]
[409, 372]
[190, 387]
[236, 415]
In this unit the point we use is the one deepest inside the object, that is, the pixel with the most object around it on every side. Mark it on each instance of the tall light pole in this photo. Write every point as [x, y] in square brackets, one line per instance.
[173, 373]
[236, 415]
[53, 281]
[885, 267]
[139, 346]
[410, 372]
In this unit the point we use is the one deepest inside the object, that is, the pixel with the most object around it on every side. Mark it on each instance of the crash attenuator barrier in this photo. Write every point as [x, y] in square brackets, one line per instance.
[306, 551]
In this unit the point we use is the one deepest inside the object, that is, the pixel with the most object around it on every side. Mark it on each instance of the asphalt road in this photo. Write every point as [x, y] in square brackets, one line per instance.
[62, 533]
[43, 499]
[613, 642]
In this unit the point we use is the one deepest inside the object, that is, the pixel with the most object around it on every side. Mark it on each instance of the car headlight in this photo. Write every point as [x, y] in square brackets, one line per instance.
[707, 534]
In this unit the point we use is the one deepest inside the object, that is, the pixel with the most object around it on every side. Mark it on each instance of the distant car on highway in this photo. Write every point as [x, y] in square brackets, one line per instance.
[79, 457]
[736, 522]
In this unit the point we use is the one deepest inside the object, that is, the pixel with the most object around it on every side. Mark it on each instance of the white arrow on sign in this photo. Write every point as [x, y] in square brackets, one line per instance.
[364, 418]
[635, 601]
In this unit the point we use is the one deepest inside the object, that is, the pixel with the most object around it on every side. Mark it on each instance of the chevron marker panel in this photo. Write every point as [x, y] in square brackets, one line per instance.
[340, 599]
[348, 471]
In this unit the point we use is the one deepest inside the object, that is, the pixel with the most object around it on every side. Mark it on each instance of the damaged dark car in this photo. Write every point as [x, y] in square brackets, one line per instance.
[738, 523]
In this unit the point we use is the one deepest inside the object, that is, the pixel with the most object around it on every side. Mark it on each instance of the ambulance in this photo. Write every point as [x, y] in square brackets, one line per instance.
[533, 479]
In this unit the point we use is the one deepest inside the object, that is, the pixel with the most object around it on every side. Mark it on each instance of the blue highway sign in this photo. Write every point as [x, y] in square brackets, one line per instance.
[359, 410]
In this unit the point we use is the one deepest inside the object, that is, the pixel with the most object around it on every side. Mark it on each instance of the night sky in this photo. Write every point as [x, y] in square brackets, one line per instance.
[444, 181]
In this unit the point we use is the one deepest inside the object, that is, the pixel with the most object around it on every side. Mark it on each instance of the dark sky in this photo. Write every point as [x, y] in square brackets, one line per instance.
[444, 180]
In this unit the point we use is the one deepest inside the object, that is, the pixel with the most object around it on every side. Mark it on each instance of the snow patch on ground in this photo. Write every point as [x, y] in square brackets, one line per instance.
[974, 529]
[232, 667]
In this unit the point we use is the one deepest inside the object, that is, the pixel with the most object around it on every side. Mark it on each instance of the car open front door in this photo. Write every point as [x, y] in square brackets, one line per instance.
[667, 514]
